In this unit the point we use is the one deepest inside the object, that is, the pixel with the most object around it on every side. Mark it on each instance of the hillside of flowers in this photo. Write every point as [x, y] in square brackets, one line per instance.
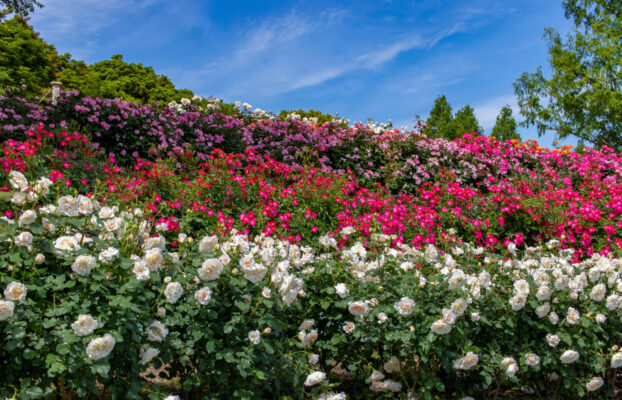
[194, 251]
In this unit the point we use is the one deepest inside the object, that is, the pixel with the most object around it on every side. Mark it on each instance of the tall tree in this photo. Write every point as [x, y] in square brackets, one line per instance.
[438, 123]
[505, 125]
[21, 7]
[25, 59]
[116, 78]
[464, 121]
[583, 97]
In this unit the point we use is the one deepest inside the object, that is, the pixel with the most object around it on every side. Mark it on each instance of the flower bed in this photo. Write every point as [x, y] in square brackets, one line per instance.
[253, 275]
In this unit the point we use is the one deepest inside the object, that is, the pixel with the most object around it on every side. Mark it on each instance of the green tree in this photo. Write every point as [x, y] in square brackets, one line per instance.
[583, 97]
[505, 125]
[464, 121]
[25, 59]
[21, 7]
[321, 117]
[116, 78]
[439, 121]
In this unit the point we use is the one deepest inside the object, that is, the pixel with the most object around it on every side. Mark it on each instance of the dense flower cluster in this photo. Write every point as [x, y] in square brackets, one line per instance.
[270, 271]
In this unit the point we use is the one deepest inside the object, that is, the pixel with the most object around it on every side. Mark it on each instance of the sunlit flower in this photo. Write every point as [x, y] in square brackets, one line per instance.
[100, 347]
[84, 325]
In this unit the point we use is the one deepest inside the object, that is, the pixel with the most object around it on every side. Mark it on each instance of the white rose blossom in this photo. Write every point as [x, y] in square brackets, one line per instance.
[173, 292]
[156, 332]
[6, 309]
[210, 269]
[148, 353]
[358, 308]
[254, 337]
[467, 362]
[84, 325]
[100, 347]
[341, 290]
[404, 306]
[569, 356]
[594, 384]
[203, 296]
[83, 264]
[15, 291]
[314, 378]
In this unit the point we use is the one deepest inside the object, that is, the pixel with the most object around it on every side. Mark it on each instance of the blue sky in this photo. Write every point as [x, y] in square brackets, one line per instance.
[363, 59]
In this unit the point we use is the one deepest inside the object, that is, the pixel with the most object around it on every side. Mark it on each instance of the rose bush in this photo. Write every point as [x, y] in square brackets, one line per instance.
[255, 274]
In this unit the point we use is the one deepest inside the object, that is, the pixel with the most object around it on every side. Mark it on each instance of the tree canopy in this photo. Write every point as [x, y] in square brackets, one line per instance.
[442, 123]
[28, 61]
[25, 59]
[21, 7]
[583, 96]
[505, 125]
[116, 78]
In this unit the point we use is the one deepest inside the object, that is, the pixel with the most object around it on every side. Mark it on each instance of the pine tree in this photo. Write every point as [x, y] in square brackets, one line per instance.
[440, 118]
[505, 126]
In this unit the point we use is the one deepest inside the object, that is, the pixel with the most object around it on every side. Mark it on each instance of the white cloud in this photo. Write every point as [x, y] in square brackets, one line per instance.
[487, 111]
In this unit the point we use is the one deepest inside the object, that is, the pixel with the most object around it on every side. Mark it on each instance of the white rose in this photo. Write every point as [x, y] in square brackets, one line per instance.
[594, 384]
[83, 264]
[348, 327]
[68, 206]
[106, 212]
[67, 243]
[393, 365]
[27, 217]
[512, 369]
[459, 306]
[100, 347]
[598, 292]
[208, 244]
[440, 327]
[467, 362]
[449, 316]
[173, 292]
[308, 338]
[140, 270]
[306, 324]
[616, 360]
[24, 239]
[15, 291]
[156, 332]
[107, 255]
[358, 308]
[147, 353]
[18, 181]
[341, 290]
[569, 357]
[552, 340]
[382, 318]
[254, 337]
[532, 359]
[210, 269]
[315, 378]
[518, 302]
[543, 310]
[521, 287]
[84, 325]
[203, 296]
[543, 293]
[404, 306]
[85, 205]
[314, 359]
[6, 309]
[153, 259]
[475, 317]
[601, 318]
[153, 242]
[553, 318]
[573, 316]
[255, 273]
